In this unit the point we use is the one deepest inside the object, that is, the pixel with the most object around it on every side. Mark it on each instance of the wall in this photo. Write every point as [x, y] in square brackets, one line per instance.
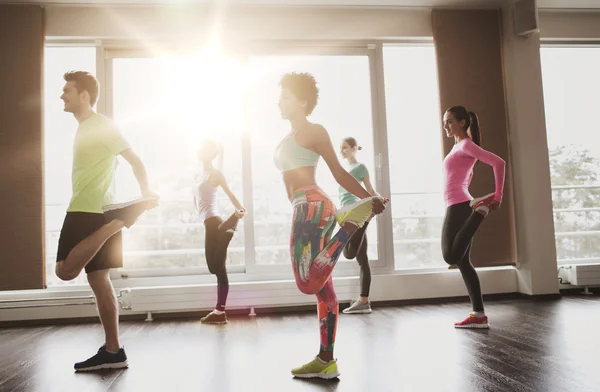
[21, 148]
[469, 56]
[536, 250]
[240, 22]
[570, 25]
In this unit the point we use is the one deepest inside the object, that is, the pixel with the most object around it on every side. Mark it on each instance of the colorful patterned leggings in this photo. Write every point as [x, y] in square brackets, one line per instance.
[314, 254]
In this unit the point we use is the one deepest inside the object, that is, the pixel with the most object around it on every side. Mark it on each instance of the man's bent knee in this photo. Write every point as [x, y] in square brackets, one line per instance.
[64, 273]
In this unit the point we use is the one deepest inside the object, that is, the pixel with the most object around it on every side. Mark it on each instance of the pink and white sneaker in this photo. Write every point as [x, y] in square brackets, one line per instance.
[482, 203]
[473, 322]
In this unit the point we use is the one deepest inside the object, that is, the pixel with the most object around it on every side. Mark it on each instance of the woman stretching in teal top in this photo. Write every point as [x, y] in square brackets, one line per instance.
[357, 246]
[313, 250]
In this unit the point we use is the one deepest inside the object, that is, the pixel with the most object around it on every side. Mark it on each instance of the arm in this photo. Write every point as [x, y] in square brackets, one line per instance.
[223, 183]
[321, 144]
[491, 159]
[363, 174]
[115, 142]
[139, 170]
[369, 187]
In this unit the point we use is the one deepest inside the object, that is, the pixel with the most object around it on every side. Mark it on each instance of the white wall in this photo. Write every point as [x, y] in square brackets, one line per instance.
[569, 25]
[250, 23]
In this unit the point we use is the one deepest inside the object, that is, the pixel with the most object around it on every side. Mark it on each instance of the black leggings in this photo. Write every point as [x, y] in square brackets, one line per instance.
[357, 247]
[216, 243]
[460, 225]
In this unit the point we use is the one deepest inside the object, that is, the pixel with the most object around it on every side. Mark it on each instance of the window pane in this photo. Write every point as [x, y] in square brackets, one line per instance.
[571, 83]
[59, 132]
[344, 109]
[165, 107]
[415, 154]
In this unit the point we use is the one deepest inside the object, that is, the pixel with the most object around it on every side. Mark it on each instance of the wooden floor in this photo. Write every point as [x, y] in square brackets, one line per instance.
[534, 345]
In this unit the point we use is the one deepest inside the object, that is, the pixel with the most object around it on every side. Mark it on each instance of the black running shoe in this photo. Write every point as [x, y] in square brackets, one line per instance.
[103, 360]
[128, 212]
[230, 224]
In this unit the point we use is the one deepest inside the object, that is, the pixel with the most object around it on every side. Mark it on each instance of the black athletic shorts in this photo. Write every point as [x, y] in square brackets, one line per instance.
[80, 225]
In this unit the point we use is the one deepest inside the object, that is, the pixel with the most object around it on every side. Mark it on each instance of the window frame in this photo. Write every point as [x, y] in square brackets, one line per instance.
[572, 44]
[109, 51]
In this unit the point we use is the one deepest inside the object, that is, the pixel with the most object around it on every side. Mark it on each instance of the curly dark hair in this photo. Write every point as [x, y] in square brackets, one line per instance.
[304, 86]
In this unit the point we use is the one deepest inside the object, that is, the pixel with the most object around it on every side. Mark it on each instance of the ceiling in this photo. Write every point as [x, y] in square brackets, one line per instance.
[556, 4]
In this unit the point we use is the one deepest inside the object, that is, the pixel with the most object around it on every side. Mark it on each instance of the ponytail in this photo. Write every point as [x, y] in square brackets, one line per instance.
[471, 122]
[473, 131]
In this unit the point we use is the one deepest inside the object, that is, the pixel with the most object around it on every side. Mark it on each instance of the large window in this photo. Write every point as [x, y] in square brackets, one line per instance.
[165, 107]
[59, 132]
[571, 84]
[415, 154]
[165, 119]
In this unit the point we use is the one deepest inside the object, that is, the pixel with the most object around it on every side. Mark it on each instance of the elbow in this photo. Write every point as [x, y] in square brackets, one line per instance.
[339, 176]
[498, 162]
[502, 163]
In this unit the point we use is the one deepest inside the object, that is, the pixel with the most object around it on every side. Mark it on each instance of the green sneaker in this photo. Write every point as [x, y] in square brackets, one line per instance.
[356, 213]
[317, 369]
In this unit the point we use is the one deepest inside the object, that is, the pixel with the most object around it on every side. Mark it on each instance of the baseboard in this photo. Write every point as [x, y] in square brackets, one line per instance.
[542, 297]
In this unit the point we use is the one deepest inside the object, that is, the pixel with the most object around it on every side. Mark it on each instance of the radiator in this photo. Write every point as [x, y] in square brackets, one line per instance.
[580, 274]
[65, 304]
[241, 296]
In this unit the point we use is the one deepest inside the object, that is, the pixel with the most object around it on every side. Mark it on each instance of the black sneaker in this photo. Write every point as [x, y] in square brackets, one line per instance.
[103, 360]
[214, 318]
[128, 212]
[230, 224]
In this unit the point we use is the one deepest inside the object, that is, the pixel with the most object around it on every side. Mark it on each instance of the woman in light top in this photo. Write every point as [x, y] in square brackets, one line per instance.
[313, 250]
[218, 233]
[357, 246]
[463, 213]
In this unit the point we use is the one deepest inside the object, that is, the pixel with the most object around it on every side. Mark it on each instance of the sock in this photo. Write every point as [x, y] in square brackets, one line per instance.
[112, 352]
[483, 209]
[320, 360]
[219, 312]
[479, 314]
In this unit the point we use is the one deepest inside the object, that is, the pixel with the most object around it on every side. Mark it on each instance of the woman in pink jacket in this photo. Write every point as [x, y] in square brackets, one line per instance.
[463, 213]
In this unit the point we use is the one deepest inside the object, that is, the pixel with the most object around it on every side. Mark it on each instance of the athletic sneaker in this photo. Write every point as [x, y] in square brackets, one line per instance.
[356, 213]
[473, 322]
[128, 212]
[230, 225]
[484, 201]
[317, 369]
[358, 307]
[214, 318]
[103, 360]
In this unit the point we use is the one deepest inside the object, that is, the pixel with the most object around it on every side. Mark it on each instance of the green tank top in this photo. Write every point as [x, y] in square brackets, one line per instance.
[358, 171]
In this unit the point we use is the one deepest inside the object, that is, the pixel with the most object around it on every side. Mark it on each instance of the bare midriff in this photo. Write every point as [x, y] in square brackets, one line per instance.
[298, 178]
